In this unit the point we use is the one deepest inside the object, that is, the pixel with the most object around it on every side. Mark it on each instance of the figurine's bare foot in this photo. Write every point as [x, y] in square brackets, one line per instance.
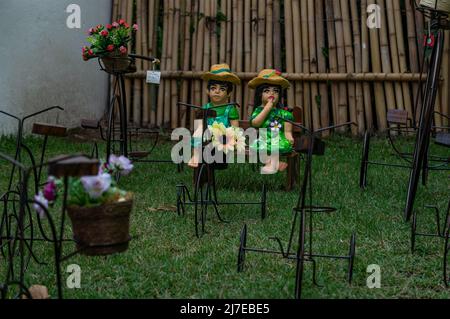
[193, 163]
[282, 167]
[268, 170]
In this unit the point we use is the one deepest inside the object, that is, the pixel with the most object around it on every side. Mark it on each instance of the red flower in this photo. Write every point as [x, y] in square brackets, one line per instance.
[126, 25]
[104, 33]
[110, 48]
[109, 27]
[278, 72]
[91, 53]
[123, 50]
[85, 58]
[122, 22]
[429, 41]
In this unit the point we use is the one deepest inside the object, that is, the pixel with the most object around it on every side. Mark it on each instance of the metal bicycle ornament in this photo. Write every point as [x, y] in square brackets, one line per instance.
[18, 235]
[303, 214]
[442, 232]
[119, 135]
[205, 188]
[439, 22]
[43, 129]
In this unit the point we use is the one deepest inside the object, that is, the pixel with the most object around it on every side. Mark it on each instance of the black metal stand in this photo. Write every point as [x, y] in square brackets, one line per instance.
[205, 190]
[439, 21]
[120, 133]
[302, 222]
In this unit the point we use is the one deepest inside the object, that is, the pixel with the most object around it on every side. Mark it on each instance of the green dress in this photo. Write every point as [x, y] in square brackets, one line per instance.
[275, 126]
[224, 114]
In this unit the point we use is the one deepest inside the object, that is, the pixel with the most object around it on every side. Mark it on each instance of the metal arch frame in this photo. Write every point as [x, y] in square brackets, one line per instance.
[303, 215]
[205, 189]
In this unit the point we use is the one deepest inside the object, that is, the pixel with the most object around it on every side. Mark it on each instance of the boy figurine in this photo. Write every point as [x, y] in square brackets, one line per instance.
[221, 82]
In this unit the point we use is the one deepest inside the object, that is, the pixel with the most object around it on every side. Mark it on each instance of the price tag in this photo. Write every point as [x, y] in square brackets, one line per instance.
[154, 77]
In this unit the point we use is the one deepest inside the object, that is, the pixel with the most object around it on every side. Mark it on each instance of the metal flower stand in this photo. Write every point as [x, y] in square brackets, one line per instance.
[438, 22]
[118, 133]
[302, 223]
[205, 189]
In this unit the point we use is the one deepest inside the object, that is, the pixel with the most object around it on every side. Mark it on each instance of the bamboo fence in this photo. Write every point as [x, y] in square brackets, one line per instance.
[340, 69]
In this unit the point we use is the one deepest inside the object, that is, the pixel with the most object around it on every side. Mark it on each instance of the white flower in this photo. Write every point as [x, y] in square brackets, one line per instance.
[40, 205]
[96, 186]
[121, 163]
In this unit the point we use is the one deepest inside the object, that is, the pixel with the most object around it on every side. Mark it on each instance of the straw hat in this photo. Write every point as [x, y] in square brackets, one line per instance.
[269, 76]
[221, 72]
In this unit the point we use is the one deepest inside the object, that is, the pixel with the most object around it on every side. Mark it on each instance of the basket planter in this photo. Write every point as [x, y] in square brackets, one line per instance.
[440, 5]
[101, 230]
[116, 63]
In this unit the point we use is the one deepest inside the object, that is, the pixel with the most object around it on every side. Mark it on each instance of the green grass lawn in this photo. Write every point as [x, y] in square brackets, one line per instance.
[166, 260]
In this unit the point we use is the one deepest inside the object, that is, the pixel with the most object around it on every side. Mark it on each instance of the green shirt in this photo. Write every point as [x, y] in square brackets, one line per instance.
[224, 114]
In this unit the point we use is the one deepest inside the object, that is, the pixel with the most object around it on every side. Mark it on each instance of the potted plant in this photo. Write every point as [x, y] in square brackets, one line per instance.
[110, 44]
[98, 209]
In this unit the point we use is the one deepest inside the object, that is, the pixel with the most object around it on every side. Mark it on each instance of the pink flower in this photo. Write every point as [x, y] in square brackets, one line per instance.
[122, 164]
[110, 48]
[50, 190]
[96, 186]
[135, 27]
[123, 50]
[40, 205]
[91, 31]
[90, 53]
[115, 25]
[104, 33]
[122, 22]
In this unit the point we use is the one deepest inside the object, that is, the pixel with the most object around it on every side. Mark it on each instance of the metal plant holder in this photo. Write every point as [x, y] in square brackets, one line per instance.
[205, 190]
[302, 223]
[118, 134]
[442, 232]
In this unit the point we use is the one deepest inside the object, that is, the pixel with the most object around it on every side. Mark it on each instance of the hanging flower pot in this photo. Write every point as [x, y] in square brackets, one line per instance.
[102, 230]
[116, 63]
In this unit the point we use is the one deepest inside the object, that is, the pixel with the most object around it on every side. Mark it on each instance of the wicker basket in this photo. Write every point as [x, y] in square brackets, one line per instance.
[439, 5]
[116, 63]
[102, 230]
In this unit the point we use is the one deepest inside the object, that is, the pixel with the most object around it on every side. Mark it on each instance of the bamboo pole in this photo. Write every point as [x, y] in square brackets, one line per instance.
[402, 56]
[380, 101]
[365, 50]
[195, 97]
[321, 65]
[394, 52]
[350, 62]
[261, 34]
[239, 51]
[163, 85]
[307, 77]
[269, 34]
[343, 103]
[175, 45]
[234, 58]
[223, 33]
[277, 34]
[230, 18]
[359, 99]
[445, 85]
[412, 50]
[155, 52]
[315, 106]
[293, 61]
[186, 59]
[248, 55]
[170, 52]
[213, 32]
[254, 30]
[199, 53]
[144, 27]
[332, 53]
[137, 92]
[385, 57]
[129, 85]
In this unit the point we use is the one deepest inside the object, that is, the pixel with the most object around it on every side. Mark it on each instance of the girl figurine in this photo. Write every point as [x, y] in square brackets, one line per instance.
[269, 114]
[220, 86]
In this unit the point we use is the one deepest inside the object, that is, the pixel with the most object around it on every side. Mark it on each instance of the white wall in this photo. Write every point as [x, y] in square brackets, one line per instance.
[41, 64]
